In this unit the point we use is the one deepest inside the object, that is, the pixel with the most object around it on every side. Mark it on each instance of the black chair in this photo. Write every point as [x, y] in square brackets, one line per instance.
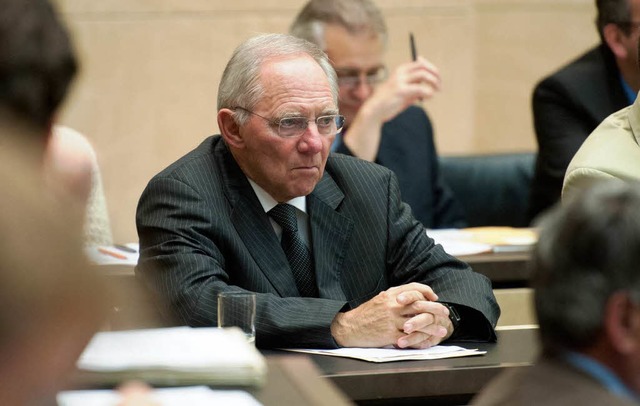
[493, 189]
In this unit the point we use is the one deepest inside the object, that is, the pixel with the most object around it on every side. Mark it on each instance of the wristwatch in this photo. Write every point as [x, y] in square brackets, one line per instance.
[454, 316]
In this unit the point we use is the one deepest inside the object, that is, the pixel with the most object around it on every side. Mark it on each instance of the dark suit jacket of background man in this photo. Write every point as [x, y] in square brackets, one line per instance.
[202, 230]
[408, 149]
[567, 107]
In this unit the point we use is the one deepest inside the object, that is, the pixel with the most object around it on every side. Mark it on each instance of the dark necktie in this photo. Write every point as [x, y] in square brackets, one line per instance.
[295, 249]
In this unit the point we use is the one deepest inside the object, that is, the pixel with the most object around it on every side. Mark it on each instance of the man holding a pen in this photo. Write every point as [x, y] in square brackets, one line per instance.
[381, 123]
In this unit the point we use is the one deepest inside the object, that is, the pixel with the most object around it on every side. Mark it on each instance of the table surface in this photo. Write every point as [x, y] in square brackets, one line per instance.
[334, 381]
[454, 379]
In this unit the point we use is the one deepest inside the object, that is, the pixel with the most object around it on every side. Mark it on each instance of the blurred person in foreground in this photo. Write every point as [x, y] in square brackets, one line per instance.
[37, 67]
[382, 124]
[587, 300]
[570, 103]
[51, 301]
[334, 255]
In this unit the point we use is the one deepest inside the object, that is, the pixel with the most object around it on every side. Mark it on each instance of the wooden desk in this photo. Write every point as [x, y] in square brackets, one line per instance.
[440, 382]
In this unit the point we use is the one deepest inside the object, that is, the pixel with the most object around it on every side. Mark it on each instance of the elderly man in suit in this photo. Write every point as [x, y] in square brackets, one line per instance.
[587, 300]
[382, 124]
[335, 257]
[569, 104]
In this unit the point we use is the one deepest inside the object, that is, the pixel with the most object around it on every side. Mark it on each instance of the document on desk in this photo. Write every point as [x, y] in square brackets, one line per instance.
[388, 354]
[190, 395]
[171, 356]
[477, 240]
[118, 254]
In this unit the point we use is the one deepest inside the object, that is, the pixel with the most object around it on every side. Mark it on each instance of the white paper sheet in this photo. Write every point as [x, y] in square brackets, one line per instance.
[192, 396]
[112, 255]
[478, 240]
[177, 354]
[395, 354]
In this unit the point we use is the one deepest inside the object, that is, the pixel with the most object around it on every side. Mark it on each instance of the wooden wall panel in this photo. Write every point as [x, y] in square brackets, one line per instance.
[517, 43]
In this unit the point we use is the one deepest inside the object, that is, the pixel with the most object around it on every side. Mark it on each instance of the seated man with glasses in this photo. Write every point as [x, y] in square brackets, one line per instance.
[571, 102]
[381, 123]
[334, 255]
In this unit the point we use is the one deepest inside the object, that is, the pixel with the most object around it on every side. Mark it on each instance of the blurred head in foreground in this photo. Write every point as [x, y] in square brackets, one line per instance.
[37, 62]
[37, 67]
[587, 279]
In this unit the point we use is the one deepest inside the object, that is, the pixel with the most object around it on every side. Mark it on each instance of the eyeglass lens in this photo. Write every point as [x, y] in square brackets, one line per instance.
[348, 77]
[295, 126]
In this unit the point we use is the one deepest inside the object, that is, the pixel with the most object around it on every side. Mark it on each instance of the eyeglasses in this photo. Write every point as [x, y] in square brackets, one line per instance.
[353, 77]
[291, 127]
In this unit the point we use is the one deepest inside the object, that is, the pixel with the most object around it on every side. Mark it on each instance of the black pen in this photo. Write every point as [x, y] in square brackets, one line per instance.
[125, 248]
[412, 42]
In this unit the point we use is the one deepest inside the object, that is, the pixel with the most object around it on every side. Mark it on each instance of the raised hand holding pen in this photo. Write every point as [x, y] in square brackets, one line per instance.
[410, 82]
[413, 81]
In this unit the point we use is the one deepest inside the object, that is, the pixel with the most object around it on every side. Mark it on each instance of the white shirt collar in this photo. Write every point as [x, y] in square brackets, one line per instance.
[268, 202]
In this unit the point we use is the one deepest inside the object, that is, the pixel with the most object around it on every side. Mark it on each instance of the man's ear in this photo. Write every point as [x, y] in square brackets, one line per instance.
[614, 38]
[229, 129]
[622, 323]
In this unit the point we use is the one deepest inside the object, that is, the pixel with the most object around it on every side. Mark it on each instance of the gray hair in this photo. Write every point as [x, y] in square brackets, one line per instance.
[588, 249]
[240, 85]
[355, 16]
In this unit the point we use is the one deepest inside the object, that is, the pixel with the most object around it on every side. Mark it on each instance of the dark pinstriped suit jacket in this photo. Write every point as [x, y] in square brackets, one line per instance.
[202, 230]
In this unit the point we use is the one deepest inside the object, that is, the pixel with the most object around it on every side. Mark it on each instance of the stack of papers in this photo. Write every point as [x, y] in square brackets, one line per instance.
[173, 356]
[477, 240]
[395, 354]
[192, 396]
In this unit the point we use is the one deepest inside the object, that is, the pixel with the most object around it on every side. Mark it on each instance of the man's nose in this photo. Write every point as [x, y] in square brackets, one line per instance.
[311, 139]
[362, 89]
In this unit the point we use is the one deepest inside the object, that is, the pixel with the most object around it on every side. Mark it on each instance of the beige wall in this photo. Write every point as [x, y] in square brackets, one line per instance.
[150, 70]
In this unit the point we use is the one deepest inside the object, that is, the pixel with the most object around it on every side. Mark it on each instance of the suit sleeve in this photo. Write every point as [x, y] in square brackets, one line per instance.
[414, 257]
[560, 131]
[189, 254]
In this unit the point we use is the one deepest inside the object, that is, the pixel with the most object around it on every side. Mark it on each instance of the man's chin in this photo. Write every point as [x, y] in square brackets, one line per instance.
[306, 187]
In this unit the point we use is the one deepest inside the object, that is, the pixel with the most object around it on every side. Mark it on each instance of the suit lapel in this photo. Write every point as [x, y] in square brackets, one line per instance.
[254, 228]
[330, 234]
